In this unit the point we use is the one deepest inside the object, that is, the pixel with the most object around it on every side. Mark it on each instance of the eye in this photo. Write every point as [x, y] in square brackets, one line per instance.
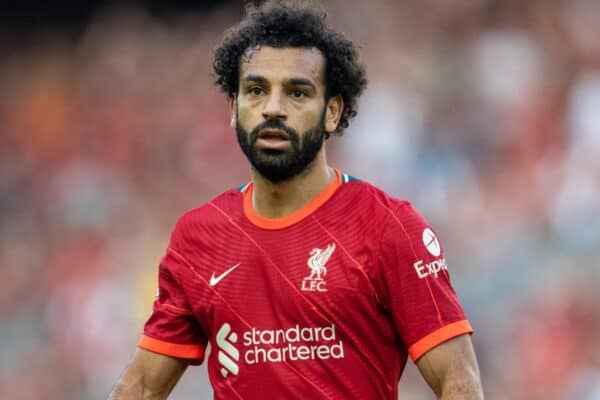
[255, 91]
[298, 94]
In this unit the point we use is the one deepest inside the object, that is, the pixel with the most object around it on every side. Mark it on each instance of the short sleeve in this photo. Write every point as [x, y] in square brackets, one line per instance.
[423, 304]
[172, 329]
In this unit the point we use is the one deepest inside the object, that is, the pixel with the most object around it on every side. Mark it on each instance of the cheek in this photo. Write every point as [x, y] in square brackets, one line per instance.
[308, 119]
[246, 116]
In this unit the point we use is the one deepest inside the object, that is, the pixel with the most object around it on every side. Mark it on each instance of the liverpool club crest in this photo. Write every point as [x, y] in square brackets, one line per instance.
[317, 262]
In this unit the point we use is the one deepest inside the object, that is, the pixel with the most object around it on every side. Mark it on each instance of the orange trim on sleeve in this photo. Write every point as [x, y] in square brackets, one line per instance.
[436, 337]
[189, 351]
[284, 222]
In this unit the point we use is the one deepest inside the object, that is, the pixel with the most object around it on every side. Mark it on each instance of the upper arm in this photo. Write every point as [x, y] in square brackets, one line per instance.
[451, 368]
[416, 284]
[149, 376]
[173, 328]
[424, 307]
[159, 372]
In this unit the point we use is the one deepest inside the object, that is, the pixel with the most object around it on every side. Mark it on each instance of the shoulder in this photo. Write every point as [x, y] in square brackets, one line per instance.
[396, 220]
[208, 216]
[374, 200]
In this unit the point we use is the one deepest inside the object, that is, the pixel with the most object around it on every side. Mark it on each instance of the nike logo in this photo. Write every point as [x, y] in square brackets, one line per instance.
[216, 279]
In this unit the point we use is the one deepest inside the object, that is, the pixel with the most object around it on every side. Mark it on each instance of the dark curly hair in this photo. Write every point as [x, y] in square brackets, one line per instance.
[293, 24]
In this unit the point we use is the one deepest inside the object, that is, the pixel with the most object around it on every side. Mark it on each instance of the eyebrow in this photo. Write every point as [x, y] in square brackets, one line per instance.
[255, 78]
[302, 82]
[291, 81]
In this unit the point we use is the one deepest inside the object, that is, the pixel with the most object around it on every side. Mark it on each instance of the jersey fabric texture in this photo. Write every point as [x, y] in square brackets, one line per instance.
[327, 303]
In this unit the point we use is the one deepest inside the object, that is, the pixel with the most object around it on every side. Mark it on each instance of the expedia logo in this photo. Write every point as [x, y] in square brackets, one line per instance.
[431, 242]
[433, 268]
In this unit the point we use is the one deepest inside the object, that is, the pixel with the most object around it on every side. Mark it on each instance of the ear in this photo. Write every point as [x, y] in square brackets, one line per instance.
[232, 110]
[333, 113]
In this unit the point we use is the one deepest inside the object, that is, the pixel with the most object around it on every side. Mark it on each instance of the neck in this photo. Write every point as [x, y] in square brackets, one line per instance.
[277, 200]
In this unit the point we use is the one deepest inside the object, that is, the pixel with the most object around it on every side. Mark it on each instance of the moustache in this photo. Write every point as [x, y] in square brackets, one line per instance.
[274, 124]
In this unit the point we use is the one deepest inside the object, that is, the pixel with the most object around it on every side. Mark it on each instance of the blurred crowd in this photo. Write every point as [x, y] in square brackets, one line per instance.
[484, 114]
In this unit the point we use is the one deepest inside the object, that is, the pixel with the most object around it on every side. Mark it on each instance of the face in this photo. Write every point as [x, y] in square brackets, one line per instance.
[280, 113]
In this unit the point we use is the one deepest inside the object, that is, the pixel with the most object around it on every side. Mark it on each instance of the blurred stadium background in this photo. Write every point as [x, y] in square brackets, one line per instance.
[485, 114]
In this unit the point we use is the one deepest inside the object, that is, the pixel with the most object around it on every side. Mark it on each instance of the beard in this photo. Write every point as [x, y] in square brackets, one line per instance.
[280, 165]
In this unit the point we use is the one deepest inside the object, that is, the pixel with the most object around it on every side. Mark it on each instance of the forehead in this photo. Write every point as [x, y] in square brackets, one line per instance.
[281, 63]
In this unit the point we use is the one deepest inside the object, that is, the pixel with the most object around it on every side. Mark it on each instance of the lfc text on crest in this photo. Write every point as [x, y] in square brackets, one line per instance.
[317, 262]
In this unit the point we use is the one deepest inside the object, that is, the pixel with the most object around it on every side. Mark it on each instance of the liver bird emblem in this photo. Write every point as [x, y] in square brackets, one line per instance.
[317, 261]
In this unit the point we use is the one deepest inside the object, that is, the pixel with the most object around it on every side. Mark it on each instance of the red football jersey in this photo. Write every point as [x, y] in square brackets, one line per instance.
[326, 303]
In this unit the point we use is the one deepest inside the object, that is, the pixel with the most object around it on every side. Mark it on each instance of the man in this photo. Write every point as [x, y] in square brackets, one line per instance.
[306, 282]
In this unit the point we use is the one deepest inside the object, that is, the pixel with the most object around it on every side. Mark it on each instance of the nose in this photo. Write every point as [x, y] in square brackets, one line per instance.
[274, 107]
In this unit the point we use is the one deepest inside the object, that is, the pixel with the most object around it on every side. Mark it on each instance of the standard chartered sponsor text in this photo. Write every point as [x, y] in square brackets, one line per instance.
[292, 344]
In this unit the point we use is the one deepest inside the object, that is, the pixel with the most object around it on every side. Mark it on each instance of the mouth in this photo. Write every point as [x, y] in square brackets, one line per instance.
[271, 133]
[273, 139]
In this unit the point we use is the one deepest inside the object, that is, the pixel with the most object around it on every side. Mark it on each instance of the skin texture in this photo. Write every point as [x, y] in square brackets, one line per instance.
[149, 376]
[450, 369]
[292, 156]
[275, 97]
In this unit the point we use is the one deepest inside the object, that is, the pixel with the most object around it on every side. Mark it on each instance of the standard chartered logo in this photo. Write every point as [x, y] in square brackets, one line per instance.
[228, 354]
[277, 345]
[296, 343]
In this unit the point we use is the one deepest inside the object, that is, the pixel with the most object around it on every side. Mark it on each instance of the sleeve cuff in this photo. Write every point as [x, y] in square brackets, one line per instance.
[446, 332]
[193, 352]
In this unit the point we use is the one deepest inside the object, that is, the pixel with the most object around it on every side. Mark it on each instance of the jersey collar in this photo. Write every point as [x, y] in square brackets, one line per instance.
[284, 222]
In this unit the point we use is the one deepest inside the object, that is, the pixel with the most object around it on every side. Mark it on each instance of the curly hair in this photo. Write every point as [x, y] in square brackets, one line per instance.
[293, 24]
